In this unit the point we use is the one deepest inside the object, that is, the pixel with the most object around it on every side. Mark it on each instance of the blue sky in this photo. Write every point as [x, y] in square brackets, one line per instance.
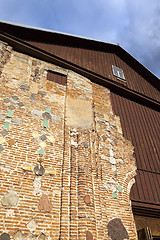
[134, 24]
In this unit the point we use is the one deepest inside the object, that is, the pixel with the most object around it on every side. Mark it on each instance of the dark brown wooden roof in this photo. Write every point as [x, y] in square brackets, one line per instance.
[136, 101]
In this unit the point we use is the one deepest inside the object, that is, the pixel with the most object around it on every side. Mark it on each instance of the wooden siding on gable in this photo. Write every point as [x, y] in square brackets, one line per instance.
[148, 188]
[141, 125]
[101, 63]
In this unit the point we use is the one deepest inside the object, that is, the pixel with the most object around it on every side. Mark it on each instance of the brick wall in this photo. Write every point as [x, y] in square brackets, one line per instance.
[65, 168]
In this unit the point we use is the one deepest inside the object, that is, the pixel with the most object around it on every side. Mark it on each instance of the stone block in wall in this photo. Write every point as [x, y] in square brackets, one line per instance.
[10, 199]
[45, 204]
[116, 230]
[4, 236]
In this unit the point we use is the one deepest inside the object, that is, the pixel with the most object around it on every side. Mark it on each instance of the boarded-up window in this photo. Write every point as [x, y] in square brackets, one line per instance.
[57, 77]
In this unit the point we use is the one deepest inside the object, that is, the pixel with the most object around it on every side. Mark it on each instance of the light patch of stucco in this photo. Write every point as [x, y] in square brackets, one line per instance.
[78, 113]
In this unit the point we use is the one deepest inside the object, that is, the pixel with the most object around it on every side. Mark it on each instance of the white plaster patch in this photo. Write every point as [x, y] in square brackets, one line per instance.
[20, 57]
[5, 168]
[73, 133]
[112, 160]
[114, 168]
[37, 185]
[18, 235]
[78, 112]
[74, 143]
[106, 117]
[37, 112]
[118, 124]
[119, 160]
[58, 99]
[111, 152]
[130, 184]
[34, 87]
[103, 156]
[56, 192]
[10, 213]
[15, 77]
[110, 185]
[32, 225]
[14, 83]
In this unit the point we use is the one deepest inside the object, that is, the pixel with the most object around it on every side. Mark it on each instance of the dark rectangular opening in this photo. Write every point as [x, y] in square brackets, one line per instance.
[57, 77]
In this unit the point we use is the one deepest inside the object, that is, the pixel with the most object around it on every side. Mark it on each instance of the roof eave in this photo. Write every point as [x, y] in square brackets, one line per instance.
[26, 48]
[77, 41]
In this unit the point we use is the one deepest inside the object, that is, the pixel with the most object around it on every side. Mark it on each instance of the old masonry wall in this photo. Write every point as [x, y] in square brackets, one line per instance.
[65, 168]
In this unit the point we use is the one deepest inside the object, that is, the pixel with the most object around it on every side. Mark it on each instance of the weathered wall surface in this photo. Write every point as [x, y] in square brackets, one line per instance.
[65, 168]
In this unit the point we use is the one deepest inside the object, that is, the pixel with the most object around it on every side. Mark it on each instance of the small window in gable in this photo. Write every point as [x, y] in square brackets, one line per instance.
[118, 72]
[57, 77]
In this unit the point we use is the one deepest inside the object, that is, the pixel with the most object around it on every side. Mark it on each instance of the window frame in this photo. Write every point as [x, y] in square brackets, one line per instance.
[118, 75]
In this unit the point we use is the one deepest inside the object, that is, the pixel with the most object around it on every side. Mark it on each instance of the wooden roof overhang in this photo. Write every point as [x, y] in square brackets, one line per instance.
[122, 90]
[41, 35]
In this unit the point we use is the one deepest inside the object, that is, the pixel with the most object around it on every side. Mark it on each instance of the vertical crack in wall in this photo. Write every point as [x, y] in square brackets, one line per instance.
[96, 174]
[62, 167]
[73, 233]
